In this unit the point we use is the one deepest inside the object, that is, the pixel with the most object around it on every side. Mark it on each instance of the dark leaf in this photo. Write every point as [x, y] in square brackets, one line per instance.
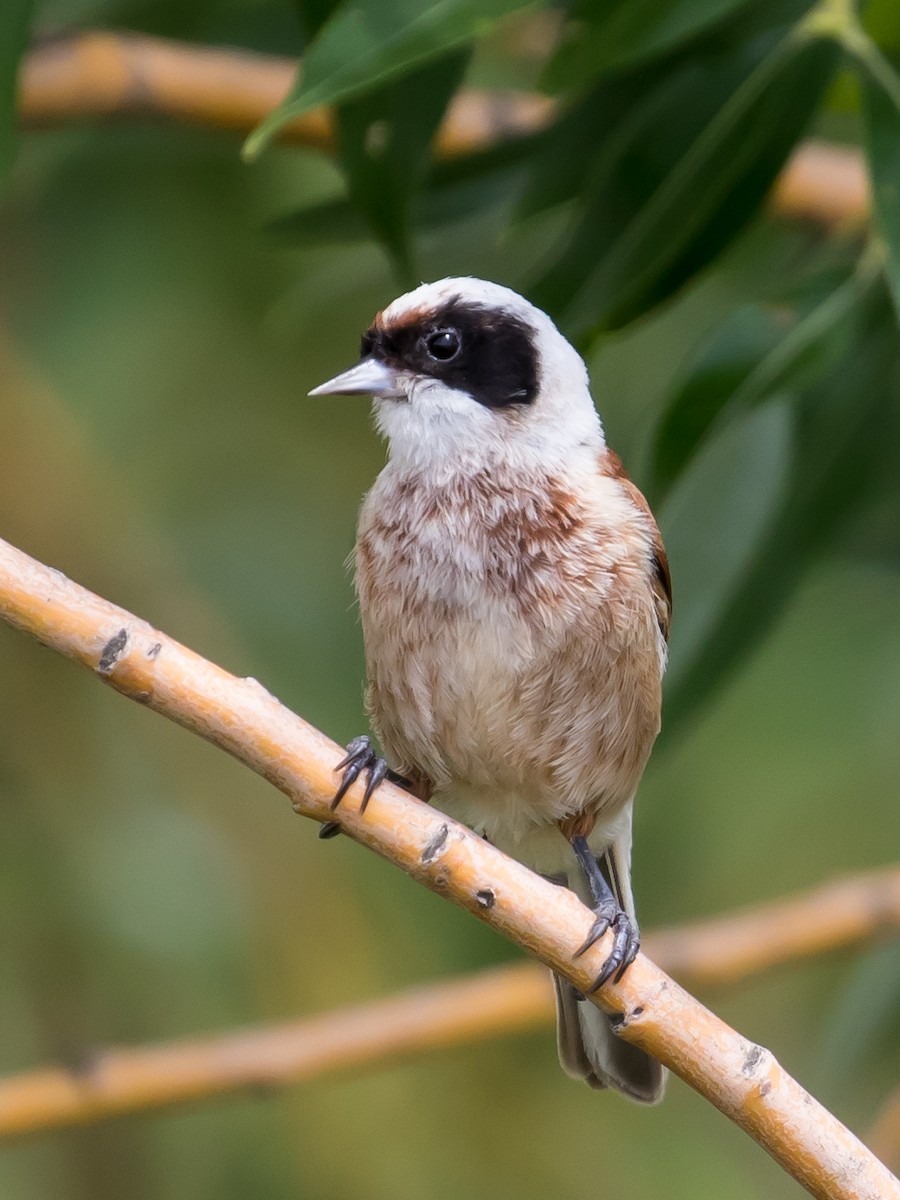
[611, 34]
[758, 352]
[313, 14]
[15, 24]
[653, 112]
[881, 111]
[682, 177]
[585, 139]
[384, 143]
[838, 442]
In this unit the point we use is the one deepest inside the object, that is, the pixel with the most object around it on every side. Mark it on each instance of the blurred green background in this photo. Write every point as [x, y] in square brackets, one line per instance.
[164, 308]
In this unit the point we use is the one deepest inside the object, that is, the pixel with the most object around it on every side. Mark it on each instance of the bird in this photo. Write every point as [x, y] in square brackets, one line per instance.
[515, 601]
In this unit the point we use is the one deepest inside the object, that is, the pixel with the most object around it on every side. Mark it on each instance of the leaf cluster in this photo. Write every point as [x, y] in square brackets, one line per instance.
[673, 120]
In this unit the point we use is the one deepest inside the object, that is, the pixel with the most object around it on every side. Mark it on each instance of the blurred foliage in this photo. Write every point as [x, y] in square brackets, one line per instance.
[15, 19]
[164, 308]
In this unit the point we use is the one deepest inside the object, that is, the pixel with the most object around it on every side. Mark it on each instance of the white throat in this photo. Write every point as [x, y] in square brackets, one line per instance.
[445, 432]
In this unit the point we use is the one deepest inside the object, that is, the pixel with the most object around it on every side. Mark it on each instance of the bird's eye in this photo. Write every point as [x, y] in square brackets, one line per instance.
[442, 345]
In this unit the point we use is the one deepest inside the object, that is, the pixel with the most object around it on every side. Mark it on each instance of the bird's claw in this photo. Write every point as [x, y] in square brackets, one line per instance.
[360, 757]
[626, 942]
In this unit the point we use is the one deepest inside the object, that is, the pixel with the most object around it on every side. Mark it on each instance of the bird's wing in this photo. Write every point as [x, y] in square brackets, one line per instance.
[659, 577]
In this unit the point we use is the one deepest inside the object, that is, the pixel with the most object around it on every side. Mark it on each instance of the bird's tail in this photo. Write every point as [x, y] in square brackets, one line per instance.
[588, 1048]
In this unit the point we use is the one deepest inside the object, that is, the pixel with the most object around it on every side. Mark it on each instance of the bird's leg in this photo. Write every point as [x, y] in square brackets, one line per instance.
[360, 757]
[609, 914]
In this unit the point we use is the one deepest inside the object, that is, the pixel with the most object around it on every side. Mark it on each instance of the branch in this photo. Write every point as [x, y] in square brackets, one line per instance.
[103, 75]
[825, 183]
[650, 1010]
[503, 1000]
[728, 948]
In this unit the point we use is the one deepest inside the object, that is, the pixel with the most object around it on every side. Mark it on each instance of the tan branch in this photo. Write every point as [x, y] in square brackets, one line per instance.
[824, 183]
[103, 75]
[727, 948]
[742, 1079]
[100, 74]
[504, 1000]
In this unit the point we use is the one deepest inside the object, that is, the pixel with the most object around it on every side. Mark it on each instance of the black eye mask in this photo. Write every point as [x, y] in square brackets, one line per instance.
[488, 354]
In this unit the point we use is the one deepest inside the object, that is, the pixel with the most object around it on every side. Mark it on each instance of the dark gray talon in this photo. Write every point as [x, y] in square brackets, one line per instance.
[377, 772]
[597, 930]
[625, 946]
[609, 915]
[360, 757]
[626, 943]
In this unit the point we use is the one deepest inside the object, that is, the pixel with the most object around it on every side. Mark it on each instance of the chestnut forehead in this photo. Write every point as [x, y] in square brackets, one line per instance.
[411, 318]
[404, 329]
[384, 337]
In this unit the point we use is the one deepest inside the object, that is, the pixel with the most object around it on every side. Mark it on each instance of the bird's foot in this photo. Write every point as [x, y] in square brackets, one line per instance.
[360, 757]
[626, 941]
[608, 914]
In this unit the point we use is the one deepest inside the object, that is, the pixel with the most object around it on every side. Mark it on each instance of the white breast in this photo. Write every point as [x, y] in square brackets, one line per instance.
[512, 646]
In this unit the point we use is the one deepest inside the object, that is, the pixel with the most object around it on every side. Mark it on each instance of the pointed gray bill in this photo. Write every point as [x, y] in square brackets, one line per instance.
[369, 377]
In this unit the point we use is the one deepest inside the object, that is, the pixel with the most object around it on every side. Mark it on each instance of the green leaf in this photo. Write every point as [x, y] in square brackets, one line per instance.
[15, 25]
[881, 113]
[864, 1013]
[838, 443]
[759, 352]
[683, 176]
[384, 143]
[607, 35]
[369, 42]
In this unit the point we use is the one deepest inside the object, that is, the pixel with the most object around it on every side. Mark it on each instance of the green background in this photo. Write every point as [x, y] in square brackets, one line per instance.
[164, 309]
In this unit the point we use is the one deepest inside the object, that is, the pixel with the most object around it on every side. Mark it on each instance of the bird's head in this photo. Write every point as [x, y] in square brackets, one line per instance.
[463, 371]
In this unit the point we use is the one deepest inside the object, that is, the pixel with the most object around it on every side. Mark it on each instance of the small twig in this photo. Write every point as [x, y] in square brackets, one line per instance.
[650, 1010]
[501, 1001]
[732, 946]
[100, 75]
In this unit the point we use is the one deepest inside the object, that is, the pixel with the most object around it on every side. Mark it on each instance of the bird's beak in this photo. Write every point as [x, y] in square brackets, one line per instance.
[369, 377]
